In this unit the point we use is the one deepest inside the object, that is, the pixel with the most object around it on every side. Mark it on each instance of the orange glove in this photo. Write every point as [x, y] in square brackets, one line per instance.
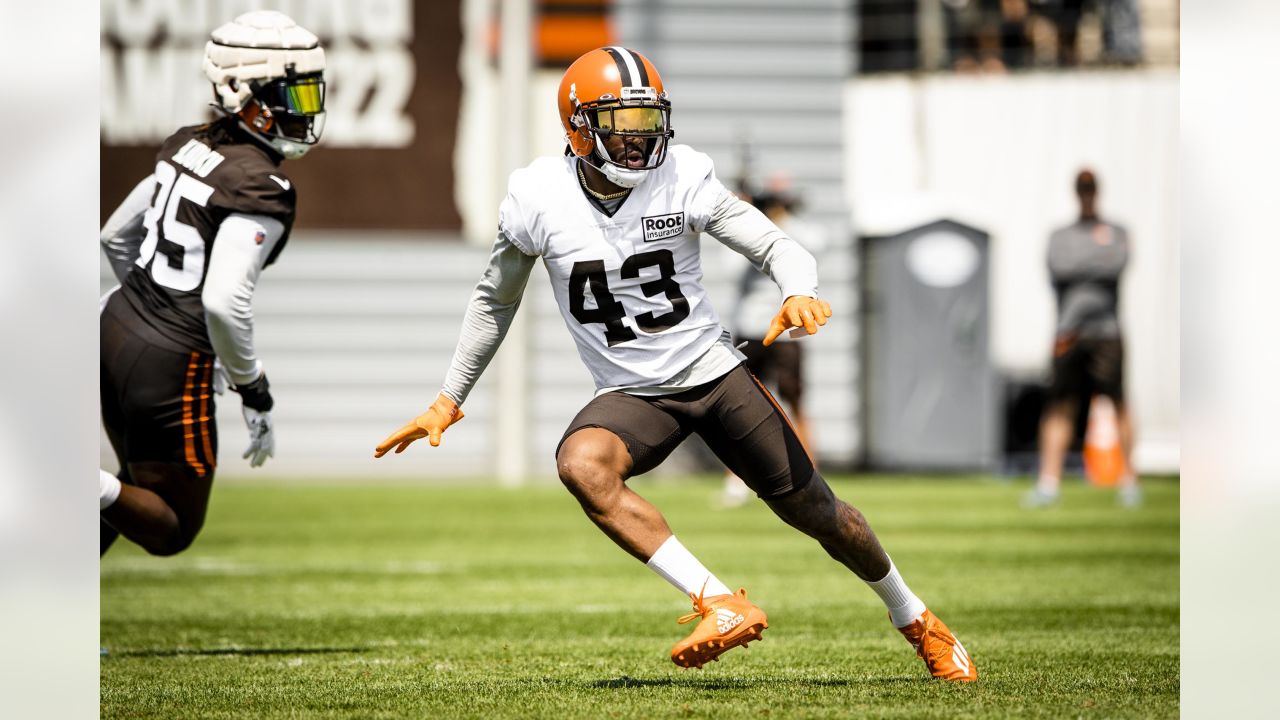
[430, 424]
[798, 311]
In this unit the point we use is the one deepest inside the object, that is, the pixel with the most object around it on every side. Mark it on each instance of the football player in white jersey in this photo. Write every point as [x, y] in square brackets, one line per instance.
[616, 223]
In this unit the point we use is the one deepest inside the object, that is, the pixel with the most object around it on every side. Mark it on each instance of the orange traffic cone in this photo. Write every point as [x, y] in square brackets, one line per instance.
[1103, 457]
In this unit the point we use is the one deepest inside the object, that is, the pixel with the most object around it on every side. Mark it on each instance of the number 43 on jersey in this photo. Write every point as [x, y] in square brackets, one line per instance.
[609, 310]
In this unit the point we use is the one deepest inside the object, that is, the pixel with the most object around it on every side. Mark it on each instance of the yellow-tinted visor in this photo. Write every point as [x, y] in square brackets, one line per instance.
[632, 119]
[305, 96]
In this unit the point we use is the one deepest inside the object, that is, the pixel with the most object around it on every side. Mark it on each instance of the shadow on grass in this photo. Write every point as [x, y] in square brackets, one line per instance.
[737, 683]
[183, 652]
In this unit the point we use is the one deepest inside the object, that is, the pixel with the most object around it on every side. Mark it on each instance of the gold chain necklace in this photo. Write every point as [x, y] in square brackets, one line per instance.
[598, 196]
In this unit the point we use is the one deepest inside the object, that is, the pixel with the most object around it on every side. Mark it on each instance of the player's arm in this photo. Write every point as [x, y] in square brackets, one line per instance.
[240, 250]
[123, 232]
[747, 231]
[489, 314]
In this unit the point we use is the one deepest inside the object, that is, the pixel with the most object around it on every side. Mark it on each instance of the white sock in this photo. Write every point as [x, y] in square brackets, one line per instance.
[1048, 484]
[679, 567]
[108, 489]
[904, 606]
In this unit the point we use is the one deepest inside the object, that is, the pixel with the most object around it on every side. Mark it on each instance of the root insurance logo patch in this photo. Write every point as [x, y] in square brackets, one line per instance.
[660, 227]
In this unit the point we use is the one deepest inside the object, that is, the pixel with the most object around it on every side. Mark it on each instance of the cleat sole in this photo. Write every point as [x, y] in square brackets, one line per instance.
[713, 649]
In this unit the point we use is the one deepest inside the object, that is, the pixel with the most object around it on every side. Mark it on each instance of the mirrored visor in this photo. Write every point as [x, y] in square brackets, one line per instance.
[297, 96]
[305, 96]
[632, 119]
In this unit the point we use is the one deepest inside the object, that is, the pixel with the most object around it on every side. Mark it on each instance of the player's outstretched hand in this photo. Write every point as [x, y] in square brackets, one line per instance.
[798, 311]
[430, 424]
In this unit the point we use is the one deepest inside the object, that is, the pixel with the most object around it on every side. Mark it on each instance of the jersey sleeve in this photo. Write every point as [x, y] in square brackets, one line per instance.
[122, 235]
[512, 222]
[705, 189]
[262, 189]
[489, 314]
[239, 254]
[747, 231]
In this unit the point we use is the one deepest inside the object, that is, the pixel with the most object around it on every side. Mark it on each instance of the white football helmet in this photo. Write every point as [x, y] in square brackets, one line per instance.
[269, 72]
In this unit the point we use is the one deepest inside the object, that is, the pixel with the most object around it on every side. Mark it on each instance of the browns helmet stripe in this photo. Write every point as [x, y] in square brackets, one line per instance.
[627, 67]
[644, 74]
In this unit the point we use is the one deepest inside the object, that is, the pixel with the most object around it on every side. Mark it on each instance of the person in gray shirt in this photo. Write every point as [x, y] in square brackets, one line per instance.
[1086, 260]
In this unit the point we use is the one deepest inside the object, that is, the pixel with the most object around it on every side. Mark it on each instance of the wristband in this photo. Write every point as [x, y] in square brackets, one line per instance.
[257, 394]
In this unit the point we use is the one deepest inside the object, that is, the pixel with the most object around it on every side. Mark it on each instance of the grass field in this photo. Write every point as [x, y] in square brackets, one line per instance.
[394, 601]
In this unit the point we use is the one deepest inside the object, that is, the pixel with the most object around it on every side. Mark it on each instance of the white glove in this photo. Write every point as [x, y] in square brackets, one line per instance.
[262, 441]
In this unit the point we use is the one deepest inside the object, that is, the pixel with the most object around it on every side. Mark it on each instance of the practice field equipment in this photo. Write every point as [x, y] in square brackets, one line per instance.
[1104, 463]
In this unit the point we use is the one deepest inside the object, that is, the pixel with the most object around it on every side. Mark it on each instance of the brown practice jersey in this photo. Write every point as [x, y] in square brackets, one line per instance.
[203, 174]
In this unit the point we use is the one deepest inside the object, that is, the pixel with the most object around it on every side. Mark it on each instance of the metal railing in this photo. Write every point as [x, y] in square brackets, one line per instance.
[996, 36]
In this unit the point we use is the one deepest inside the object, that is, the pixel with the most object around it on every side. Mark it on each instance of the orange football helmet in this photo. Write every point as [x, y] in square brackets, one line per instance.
[615, 91]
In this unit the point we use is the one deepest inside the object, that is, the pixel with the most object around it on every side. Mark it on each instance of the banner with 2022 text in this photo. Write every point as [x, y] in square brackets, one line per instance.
[386, 158]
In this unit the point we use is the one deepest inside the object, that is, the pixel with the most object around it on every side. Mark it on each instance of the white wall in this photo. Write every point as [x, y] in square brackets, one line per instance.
[1001, 153]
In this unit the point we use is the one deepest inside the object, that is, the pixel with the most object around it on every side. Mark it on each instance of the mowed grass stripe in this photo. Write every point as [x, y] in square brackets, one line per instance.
[393, 601]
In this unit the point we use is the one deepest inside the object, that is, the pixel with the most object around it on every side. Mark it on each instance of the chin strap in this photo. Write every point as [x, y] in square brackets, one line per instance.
[289, 149]
[627, 178]
[622, 177]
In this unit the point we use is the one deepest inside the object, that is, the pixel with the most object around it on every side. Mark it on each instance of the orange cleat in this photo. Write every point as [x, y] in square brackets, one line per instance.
[727, 622]
[942, 653]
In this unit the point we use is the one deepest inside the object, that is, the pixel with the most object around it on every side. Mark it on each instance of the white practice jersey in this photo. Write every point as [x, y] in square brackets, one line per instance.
[629, 286]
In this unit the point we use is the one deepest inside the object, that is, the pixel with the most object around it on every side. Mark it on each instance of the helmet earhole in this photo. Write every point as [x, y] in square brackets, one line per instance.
[261, 119]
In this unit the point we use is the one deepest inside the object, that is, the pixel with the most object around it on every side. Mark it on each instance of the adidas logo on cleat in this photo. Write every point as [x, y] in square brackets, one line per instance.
[960, 657]
[727, 620]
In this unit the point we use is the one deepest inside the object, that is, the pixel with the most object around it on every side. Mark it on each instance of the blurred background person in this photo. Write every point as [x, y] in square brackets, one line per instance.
[1085, 260]
[999, 35]
[989, 35]
[1120, 24]
[781, 365]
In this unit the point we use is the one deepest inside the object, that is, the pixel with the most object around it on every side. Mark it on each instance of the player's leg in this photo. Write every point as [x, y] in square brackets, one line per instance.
[1057, 427]
[161, 418]
[790, 381]
[106, 537]
[164, 509]
[593, 464]
[615, 437]
[1129, 493]
[1058, 420]
[735, 492]
[750, 433]
[1106, 370]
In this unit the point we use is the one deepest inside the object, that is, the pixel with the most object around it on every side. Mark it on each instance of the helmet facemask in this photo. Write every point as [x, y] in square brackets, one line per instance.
[636, 127]
[290, 111]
